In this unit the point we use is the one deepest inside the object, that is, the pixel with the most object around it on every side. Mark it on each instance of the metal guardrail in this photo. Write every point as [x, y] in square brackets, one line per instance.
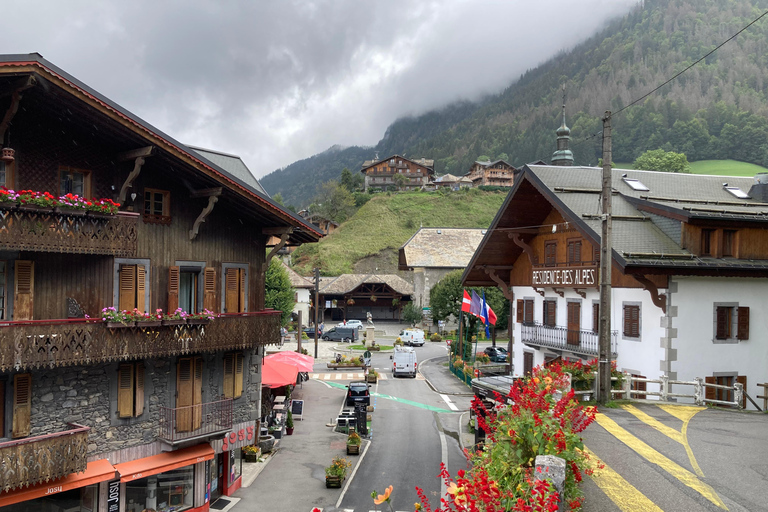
[194, 421]
[576, 341]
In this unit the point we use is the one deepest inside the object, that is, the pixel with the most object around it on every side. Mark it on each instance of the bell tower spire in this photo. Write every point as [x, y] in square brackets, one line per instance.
[563, 155]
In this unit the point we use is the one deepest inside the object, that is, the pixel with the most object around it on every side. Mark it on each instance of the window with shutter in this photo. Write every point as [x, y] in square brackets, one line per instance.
[743, 323]
[125, 388]
[239, 367]
[173, 289]
[574, 251]
[709, 392]
[520, 310]
[132, 284]
[209, 289]
[550, 313]
[528, 316]
[235, 287]
[550, 253]
[639, 386]
[724, 315]
[197, 414]
[229, 375]
[574, 323]
[22, 405]
[23, 305]
[138, 407]
[184, 394]
[631, 321]
[527, 363]
[707, 242]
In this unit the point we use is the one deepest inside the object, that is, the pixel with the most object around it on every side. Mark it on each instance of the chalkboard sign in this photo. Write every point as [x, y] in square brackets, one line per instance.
[297, 408]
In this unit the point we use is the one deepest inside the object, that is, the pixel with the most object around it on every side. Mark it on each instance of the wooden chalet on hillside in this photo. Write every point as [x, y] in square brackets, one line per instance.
[498, 174]
[381, 174]
[96, 414]
[689, 278]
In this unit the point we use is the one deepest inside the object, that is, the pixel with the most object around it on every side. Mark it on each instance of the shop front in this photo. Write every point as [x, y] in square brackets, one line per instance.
[224, 472]
[78, 491]
[170, 481]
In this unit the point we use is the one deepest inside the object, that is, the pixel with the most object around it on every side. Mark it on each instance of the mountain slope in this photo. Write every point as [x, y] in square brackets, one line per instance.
[716, 110]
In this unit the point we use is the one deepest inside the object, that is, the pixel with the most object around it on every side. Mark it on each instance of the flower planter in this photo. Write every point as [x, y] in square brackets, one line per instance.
[178, 321]
[371, 378]
[337, 366]
[71, 212]
[333, 481]
[266, 443]
[251, 457]
[151, 323]
[289, 431]
[7, 205]
[277, 434]
[35, 208]
[99, 215]
[120, 325]
[353, 449]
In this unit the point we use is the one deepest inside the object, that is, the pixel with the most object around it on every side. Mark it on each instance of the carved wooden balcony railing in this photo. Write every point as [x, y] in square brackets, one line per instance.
[576, 341]
[179, 424]
[33, 460]
[46, 231]
[49, 343]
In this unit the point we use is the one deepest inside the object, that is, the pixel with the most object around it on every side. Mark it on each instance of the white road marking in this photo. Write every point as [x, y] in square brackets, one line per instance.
[451, 405]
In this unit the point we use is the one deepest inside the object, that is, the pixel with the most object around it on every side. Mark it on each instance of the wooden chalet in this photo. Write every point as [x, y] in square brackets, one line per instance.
[689, 274]
[96, 414]
[381, 174]
[498, 174]
[353, 296]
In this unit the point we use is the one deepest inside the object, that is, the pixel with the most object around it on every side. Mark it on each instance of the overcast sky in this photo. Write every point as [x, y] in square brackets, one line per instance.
[277, 81]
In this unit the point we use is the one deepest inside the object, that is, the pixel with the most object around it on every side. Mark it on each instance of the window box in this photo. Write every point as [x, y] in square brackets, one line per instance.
[35, 208]
[7, 205]
[180, 321]
[98, 215]
[71, 212]
[149, 323]
[120, 325]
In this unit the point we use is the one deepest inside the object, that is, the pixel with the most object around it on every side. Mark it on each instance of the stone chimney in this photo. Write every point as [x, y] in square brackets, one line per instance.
[759, 190]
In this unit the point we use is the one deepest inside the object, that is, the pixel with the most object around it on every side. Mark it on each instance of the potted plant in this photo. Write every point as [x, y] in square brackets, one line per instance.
[351, 302]
[251, 453]
[116, 319]
[8, 198]
[71, 204]
[276, 431]
[289, 424]
[178, 317]
[35, 201]
[353, 443]
[336, 472]
[203, 318]
[372, 376]
[101, 207]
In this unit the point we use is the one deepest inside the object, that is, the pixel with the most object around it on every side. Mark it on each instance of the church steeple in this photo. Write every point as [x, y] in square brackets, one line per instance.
[563, 155]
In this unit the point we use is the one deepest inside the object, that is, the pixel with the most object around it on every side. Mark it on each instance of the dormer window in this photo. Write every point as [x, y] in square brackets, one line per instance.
[707, 241]
[635, 184]
[736, 192]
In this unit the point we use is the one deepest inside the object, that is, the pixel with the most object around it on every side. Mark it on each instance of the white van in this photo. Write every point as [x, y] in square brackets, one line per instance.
[404, 362]
[412, 337]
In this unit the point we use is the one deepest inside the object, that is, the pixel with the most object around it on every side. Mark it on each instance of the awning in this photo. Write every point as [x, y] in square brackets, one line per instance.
[304, 363]
[277, 374]
[162, 462]
[96, 471]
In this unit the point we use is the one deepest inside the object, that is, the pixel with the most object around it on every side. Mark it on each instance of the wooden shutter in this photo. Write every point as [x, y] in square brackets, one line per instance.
[742, 379]
[209, 289]
[141, 272]
[520, 311]
[127, 288]
[527, 363]
[239, 363]
[743, 327]
[22, 405]
[550, 313]
[184, 394]
[197, 414]
[710, 393]
[231, 290]
[596, 317]
[138, 409]
[574, 323]
[173, 289]
[528, 311]
[632, 321]
[23, 302]
[125, 391]
[721, 332]
[229, 375]
[241, 304]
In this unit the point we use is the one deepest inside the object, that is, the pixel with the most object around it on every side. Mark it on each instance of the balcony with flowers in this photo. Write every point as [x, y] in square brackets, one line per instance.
[38, 221]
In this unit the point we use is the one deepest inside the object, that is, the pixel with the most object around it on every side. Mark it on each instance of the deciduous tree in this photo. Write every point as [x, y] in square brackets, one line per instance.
[279, 293]
[663, 161]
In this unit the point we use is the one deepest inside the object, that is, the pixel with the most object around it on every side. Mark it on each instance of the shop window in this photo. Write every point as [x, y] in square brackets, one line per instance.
[157, 206]
[130, 390]
[707, 241]
[22, 405]
[233, 375]
[574, 251]
[731, 321]
[550, 313]
[74, 181]
[172, 490]
[550, 253]
[631, 321]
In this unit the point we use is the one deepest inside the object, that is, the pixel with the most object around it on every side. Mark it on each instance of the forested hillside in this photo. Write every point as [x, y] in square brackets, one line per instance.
[716, 110]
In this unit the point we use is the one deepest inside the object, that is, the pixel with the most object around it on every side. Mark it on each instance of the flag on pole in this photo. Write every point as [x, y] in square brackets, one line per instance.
[476, 305]
[465, 302]
[485, 317]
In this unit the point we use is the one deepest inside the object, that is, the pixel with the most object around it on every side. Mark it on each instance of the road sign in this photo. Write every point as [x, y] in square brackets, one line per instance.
[367, 354]
[426, 310]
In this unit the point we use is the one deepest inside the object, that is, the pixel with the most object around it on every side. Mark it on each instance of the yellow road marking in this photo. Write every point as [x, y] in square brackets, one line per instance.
[620, 492]
[653, 456]
[683, 413]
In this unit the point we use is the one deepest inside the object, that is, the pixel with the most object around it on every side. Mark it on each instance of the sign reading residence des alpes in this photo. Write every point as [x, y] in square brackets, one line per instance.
[572, 277]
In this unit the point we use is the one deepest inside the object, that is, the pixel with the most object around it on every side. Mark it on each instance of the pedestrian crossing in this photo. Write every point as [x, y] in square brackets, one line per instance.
[330, 376]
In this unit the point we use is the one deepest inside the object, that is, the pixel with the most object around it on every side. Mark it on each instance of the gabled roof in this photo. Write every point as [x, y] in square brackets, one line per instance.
[440, 248]
[346, 283]
[488, 164]
[297, 281]
[233, 164]
[645, 236]
[424, 162]
[61, 88]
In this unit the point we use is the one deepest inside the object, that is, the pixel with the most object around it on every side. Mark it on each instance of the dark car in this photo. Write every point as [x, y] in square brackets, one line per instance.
[357, 393]
[310, 332]
[497, 354]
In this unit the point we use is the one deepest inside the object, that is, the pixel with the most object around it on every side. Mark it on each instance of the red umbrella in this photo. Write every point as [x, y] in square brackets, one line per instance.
[304, 363]
[276, 374]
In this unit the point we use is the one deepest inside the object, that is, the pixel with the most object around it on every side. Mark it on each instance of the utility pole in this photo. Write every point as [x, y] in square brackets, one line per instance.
[317, 305]
[606, 260]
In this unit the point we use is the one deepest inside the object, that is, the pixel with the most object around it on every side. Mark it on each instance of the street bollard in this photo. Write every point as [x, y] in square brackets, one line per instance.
[552, 468]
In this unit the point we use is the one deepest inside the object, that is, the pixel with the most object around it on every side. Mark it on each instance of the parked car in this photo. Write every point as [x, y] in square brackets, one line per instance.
[357, 393]
[345, 334]
[497, 354]
[310, 332]
[357, 324]
[412, 337]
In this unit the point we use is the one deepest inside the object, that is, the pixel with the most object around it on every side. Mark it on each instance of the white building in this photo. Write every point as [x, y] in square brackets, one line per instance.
[689, 278]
